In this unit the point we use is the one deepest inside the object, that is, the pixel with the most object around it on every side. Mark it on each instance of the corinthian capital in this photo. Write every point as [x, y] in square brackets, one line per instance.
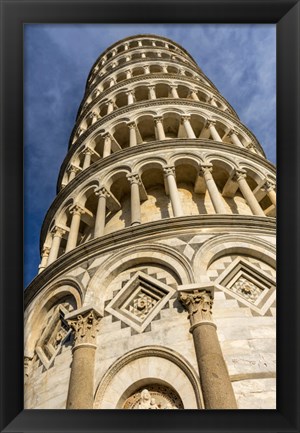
[169, 171]
[198, 304]
[134, 178]
[84, 324]
[101, 191]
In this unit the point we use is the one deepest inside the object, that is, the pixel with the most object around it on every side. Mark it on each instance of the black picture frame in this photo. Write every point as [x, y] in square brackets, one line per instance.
[286, 15]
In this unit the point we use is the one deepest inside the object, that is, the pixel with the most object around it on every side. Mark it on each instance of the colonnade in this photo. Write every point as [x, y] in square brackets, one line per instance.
[107, 107]
[204, 182]
[208, 130]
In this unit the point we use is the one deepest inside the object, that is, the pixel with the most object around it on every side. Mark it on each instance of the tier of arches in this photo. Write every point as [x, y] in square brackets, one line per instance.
[145, 91]
[138, 69]
[145, 127]
[154, 190]
[131, 45]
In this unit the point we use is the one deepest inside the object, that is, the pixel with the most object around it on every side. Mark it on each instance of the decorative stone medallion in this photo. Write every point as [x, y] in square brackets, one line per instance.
[140, 300]
[248, 284]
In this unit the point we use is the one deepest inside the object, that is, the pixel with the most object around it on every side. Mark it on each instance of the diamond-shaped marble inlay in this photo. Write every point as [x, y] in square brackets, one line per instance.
[248, 284]
[53, 336]
[140, 300]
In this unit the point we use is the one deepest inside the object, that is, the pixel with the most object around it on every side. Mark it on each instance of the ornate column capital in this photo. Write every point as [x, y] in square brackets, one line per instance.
[131, 125]
[107, 135]
[198, 303]
[239, 174]
[134, 178]
[205, 168]
[210, 123]
[45, 251]
[74, 169]
[157, 119]
[77, 209]
[88, 151]
[58, 231]
[169, 170]
[269, 185]
[185, 118]
[101, 191]
[250, 146]
[84, 323]
[130, 92]
[231, 132]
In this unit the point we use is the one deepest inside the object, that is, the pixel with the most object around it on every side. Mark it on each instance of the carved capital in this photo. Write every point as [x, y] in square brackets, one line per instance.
[198, 303]
[45, 251]
[210, 123]
[185, 118]
[102, 192]
[77, 209]
[169, 171]
[74, 169]
[269, 185]
[231, 132]
[58, 231]
[205, 168]
[134, 178]
[88, 151]
[85, 326]
[131, 125]
[240, 174]
[157, 119]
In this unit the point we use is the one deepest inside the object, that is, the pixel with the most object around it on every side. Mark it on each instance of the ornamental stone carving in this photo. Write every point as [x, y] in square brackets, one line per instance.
[198, 304]
[85, 327]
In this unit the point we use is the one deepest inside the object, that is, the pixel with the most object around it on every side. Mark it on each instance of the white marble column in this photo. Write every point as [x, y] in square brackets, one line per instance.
[215, 381]
[214, 133]
[84, 323]
[270, 188]
[132, 134]
[169, 173]
[212, 189]
[72, 172]
[212, 101]
[126, 46]
[94, 117]
[76, 212]
[174, 92]
[110, 107]
[151, 90]
[45, 256]
[146, 69]
[112, 82]
[87, 158]
[194, 95]
[135, 182]
[57, 234]
[130, 99]
[159, 128]
[165, 69]
[188, 127]
[103, 194]
[232, 134]
[107, 145]
[128, 74]
[248, 194]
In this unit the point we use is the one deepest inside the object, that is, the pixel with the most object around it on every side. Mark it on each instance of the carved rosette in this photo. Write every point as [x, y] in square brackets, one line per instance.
[198, 304]
[85, 327]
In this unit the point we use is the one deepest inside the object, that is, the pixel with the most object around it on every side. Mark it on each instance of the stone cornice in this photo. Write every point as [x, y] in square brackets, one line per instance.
[146, 77]
[160, 103]
[132, 38]
[156, 230]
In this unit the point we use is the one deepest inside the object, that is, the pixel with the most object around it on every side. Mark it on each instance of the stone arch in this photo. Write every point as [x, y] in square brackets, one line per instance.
[231, 244]
[165, 365]
[86, 191]
[154, 253]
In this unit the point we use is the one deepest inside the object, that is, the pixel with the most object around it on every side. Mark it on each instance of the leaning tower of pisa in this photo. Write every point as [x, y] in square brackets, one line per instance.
[156, 288]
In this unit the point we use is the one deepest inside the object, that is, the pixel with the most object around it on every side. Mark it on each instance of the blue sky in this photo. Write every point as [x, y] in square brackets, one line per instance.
[239, 59]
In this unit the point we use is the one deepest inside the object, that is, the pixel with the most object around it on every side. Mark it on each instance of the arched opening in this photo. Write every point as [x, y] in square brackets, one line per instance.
[146, 127]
